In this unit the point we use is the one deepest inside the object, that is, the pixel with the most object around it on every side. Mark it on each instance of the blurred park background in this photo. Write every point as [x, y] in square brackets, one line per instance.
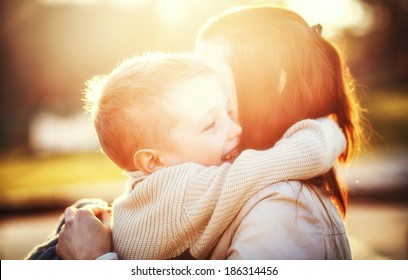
[48, 150]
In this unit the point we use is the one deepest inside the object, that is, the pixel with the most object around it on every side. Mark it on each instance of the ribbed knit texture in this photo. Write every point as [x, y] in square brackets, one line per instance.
[189, 206]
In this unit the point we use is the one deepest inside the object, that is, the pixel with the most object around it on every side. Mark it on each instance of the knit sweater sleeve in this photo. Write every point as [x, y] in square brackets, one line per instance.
[309, 148]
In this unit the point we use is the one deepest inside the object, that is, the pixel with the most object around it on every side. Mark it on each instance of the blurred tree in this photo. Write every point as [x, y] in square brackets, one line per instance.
[14, 110]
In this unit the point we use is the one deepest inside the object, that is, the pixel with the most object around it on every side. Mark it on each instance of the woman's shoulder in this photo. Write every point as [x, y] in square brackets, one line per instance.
[281, 190]
[277, 222]
[279, 202]
[286, 196]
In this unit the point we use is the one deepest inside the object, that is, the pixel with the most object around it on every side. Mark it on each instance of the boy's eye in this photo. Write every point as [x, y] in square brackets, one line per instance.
[209, 127]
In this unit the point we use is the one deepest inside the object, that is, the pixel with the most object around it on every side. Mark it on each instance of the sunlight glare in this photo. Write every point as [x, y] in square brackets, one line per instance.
[71, 2]
[172, 12]
[127, 4]
[334, 15]
[122, 4]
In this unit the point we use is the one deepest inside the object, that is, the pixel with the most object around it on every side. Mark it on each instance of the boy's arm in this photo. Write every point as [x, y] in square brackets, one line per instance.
[308, 149]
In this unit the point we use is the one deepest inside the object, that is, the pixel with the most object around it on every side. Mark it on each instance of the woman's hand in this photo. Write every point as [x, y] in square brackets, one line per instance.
[86, 234]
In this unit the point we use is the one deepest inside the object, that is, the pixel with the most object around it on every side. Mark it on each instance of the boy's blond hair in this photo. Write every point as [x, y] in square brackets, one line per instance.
[128, 105]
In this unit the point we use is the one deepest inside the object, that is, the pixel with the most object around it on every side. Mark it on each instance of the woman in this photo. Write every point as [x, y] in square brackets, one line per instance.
[282, 71]
[259, 48]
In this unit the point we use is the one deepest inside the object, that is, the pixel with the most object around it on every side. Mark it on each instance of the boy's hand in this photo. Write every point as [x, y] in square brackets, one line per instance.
[84, 236]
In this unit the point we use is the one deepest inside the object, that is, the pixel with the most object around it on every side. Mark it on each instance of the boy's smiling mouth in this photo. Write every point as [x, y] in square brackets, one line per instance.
[231, 155]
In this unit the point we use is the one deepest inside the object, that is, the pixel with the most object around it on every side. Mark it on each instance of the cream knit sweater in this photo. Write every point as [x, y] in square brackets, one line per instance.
[189, 206]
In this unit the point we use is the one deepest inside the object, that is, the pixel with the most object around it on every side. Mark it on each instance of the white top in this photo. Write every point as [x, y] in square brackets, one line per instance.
[285, 221]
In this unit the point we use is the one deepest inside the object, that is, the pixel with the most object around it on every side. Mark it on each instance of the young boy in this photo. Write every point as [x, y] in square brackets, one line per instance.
[165, 120]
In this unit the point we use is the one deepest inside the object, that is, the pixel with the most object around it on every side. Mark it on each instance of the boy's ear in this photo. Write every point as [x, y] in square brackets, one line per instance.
[147, 160]
[282, 80]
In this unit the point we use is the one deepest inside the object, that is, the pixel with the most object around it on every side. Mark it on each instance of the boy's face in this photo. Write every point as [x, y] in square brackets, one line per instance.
[204, 131]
